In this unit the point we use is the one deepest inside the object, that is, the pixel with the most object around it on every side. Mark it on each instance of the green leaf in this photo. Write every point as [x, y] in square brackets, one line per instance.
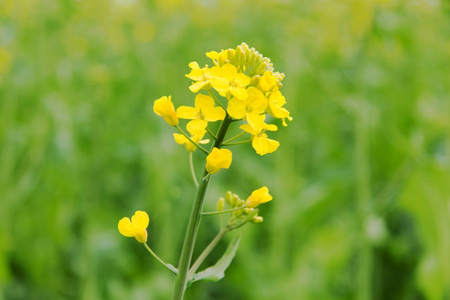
[217, 272]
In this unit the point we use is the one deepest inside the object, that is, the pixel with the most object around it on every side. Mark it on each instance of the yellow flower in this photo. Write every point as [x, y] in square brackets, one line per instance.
[267, 81]
[238, 81]
[137, 227]
[276, 109]
[206, 78]
[256, 103]
[203, 112]
[218, 159]
[182, 140]
[257, 197]
[164, 107]
[260, 142]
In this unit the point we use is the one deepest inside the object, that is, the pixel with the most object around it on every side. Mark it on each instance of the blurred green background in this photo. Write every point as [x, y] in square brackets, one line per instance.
[361, 181]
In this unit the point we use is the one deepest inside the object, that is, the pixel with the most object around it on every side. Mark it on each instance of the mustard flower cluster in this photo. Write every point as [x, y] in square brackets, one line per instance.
[250, 87]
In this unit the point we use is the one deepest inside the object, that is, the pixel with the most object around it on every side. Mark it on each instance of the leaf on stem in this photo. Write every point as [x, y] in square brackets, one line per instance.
[217, 272]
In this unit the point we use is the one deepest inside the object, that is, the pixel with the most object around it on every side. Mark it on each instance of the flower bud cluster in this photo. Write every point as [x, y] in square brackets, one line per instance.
[241, 210]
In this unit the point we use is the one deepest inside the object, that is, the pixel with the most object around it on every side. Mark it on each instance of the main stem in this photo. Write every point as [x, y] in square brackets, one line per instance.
[194, 222]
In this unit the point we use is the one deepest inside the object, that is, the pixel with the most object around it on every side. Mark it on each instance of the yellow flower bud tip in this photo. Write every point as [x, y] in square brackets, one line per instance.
[229, 197]
[164, 107]
[258, 197]
[218, 159]
[220, 204]
[136, 227]
[257, 219]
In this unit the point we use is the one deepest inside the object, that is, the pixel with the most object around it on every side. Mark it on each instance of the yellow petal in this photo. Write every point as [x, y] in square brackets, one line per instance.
[179, 138]
[257, 197]
[203, 102]
[239, 92]
[164, 107]
[236, 108]
[187, 112]
[125, 227]
[263, 145]
[140, 219]
[221, 85]
[257, 102]
[195, 87]
[241, 80]
[249, 129]
[141, 236]
[196, 126]
[256, 121]
[196, 75]
[218, 159]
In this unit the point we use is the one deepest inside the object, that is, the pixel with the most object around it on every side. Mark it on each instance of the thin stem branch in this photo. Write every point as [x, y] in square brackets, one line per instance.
[211, 133]
[215, 99]
[211, 213]
[191, 164]
[207, 251]
[157, 258]
[235, 137]
[196, 144]
[237, 143]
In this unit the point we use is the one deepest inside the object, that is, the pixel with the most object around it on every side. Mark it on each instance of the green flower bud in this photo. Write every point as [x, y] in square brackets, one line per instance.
[254, 80]
[229, 198]
[257, 219]
[261, 68]
[252, 215]
[220, 204]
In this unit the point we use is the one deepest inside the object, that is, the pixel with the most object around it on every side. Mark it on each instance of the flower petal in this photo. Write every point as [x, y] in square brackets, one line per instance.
[125, 227]
[187, 112]
[196, 126]
[140, 220]
[263, 145]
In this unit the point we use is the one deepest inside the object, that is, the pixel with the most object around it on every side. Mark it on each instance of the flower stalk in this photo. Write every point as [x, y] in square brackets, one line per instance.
[194, 222]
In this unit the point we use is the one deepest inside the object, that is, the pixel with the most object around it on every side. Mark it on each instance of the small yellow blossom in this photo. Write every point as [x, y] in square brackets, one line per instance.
[260, 142]
[203, 112]
[182, 140]
[218, 159]
[256, 103]
[206, 78]
[137, 227]
[258, 197]
[267, 81]
[238, 81]
[276, 109]
[164, 107]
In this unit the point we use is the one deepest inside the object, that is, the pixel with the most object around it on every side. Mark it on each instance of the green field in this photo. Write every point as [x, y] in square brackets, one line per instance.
[361, 180]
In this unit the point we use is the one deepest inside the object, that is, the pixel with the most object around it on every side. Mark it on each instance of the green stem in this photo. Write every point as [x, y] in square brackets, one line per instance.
[194, 222]
[206, 252]
[197, 145]
[191, 164]
[210, 213]
[237, 143]
[158, 259]
[211, 133]
[215, 99]
[235, 137]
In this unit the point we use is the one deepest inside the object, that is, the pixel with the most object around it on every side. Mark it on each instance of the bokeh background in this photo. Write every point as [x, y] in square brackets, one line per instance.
[361, 181]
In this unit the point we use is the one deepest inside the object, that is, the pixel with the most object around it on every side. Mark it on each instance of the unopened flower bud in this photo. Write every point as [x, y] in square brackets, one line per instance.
[252, 215]
[255, 80]
[257, 219]
[261, 68]
[220, 204]
[229, 198]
